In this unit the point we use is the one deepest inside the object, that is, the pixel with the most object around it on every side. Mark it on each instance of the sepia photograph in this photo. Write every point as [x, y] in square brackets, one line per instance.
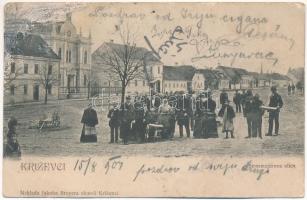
[150, 89]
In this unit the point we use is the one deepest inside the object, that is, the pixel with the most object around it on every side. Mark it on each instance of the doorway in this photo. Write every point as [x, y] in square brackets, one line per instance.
[36, 92]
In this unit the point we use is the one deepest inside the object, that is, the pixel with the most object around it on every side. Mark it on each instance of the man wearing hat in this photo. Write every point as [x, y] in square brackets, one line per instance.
[127, 116]
[275, 101]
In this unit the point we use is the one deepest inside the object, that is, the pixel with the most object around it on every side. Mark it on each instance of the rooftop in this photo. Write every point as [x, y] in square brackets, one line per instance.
[178, 73]
[28, 45]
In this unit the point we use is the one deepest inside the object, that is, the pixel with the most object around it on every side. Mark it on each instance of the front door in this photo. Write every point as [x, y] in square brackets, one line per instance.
[36, 92]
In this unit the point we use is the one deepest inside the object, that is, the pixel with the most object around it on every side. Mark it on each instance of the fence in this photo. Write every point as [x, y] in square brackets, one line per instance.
[81, 92]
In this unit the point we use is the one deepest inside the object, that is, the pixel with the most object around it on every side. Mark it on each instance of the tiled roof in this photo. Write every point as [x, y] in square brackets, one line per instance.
[28, 45]
[178, 73]
[140, 51]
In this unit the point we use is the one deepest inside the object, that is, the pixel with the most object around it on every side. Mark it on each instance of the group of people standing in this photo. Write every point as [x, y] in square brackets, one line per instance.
[253, 109]
[138, 120]
[291, 89]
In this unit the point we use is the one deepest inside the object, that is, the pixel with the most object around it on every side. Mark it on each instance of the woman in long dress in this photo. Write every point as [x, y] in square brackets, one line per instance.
[198, 117]
[210, 124]
[228, 114]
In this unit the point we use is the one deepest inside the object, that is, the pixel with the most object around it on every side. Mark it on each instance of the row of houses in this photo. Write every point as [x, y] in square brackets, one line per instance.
[186, 78]
[67, 57]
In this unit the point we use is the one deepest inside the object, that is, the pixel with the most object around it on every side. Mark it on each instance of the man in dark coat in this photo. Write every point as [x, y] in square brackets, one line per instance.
[257, 121]
[172, 100]
[182, 115]
[190, 110]
[89, 120]
[248, 111]
[114, 123]
[237, 101]
[275, 101]
[139, 126]
[127, 116]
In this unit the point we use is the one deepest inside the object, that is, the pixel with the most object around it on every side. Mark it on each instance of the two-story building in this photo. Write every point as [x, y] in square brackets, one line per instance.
[239, 78]
[28, 62]
[149, 75]
[178, 78]
[209, 79]
[73, 49]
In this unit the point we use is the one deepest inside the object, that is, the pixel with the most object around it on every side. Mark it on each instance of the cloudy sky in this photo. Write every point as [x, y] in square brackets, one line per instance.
[202, 34]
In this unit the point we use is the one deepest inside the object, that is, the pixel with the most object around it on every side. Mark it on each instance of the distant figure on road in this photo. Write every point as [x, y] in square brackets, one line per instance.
[275, 101]
[242, 101]
[228, 114]
[237, 101]
[289, 89]
[223, 97]
[89, 120]
[293, 88]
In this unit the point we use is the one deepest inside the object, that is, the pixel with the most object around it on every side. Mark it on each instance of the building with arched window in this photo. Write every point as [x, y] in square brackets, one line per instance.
[73, 49]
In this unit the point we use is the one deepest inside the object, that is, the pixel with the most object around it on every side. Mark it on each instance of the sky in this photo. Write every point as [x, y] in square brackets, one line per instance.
[244, 35]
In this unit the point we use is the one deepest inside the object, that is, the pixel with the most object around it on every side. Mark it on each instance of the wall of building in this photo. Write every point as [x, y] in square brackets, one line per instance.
[175, 86]
[198, 82]
[138, 86]
[29, 80]
[223, 84]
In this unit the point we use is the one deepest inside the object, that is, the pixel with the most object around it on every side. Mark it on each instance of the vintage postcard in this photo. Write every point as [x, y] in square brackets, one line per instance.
[153, 99]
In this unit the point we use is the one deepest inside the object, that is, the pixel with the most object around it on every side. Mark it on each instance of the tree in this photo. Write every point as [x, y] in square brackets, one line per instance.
[125, 61]
[47, 78]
